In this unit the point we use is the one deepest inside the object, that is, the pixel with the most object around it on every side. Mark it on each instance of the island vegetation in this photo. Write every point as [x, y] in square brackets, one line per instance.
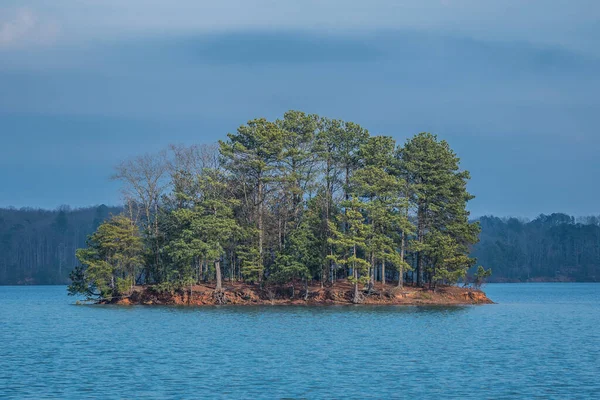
[37, 247]
[290, 203]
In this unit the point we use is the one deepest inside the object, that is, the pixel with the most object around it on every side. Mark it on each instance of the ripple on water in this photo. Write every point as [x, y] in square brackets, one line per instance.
[540, 340]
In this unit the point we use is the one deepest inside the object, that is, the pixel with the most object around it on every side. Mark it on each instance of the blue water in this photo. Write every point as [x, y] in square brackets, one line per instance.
[540, 340]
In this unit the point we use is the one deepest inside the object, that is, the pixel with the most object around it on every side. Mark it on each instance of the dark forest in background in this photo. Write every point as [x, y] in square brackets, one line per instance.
[554, 247]
[38, 246]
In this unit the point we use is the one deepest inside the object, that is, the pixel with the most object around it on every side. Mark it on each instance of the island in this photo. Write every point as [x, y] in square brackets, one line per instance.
[299, 210]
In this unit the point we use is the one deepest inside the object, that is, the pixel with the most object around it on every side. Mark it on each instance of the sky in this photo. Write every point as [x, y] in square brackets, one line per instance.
[512, 85]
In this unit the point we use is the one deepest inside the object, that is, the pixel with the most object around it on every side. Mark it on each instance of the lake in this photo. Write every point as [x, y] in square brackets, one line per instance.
[540, 340]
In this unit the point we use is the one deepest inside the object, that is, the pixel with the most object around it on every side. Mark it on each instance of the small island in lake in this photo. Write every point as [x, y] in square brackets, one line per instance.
[301, 210]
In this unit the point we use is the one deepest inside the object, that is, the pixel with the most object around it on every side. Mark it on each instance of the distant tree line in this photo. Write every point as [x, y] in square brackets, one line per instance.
[38, 246]
[33, 250]
[291, 201]
[555, 247]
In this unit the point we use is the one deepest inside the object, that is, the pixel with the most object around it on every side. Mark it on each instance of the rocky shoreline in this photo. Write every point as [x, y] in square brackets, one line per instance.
[338, 294]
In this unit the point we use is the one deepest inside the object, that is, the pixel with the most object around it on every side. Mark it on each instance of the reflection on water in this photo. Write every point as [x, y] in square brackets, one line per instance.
[537, 334]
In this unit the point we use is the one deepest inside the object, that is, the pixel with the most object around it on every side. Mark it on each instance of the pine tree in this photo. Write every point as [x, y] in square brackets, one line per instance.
[350, 244]
[438, 192]
[301, 257]
[252, 155]
[203, 231]
[297, 163]
[381, 189]
[111, 261]
[325, 148]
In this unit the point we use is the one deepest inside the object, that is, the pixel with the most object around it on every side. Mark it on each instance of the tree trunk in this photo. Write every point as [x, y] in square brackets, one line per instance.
[305, 289]
[328, 196]
[219, 287]
[383, 273]
[198, 270]
[355, 299]
[401, 271]
[347, 181]
[420, 232]
[372, 273]
[260, 228]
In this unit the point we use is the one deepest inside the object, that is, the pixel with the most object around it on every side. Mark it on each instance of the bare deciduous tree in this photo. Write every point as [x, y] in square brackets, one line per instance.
[144, 179]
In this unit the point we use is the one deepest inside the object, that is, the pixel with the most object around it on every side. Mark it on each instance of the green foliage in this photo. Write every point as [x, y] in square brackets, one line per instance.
[252, 268]
[79, 284]
[481, 275]
[288, 269]
[301, 258]
[438, 192]
[350, 241]
[252, 156]
[446, 262]
[300, 198]
[202, 231]
[381, 188]
[111, 261]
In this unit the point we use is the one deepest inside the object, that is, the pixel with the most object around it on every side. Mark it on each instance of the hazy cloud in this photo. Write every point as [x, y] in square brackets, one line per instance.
[22, 27]
[567, 23]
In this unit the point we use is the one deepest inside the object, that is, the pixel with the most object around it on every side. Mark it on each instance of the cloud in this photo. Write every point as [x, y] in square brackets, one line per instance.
[471, 83]
[570, 24]
[23, 27]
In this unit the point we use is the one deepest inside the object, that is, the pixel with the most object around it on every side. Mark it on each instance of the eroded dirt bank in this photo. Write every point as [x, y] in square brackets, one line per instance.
[340, 293]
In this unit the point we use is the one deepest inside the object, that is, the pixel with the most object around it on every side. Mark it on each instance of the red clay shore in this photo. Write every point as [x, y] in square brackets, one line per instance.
[236, 293]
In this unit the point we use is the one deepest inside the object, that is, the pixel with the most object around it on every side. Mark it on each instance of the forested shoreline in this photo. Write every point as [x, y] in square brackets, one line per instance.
[37, 247]
[303, 200]
[549, 248]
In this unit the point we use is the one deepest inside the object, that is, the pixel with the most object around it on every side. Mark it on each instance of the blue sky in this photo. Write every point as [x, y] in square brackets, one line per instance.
[512, 85]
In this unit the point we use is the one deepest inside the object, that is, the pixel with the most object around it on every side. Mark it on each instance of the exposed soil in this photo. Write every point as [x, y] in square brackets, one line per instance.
[237, 293]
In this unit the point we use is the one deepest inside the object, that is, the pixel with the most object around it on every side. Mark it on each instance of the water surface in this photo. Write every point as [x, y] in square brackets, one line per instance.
[540, 340]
